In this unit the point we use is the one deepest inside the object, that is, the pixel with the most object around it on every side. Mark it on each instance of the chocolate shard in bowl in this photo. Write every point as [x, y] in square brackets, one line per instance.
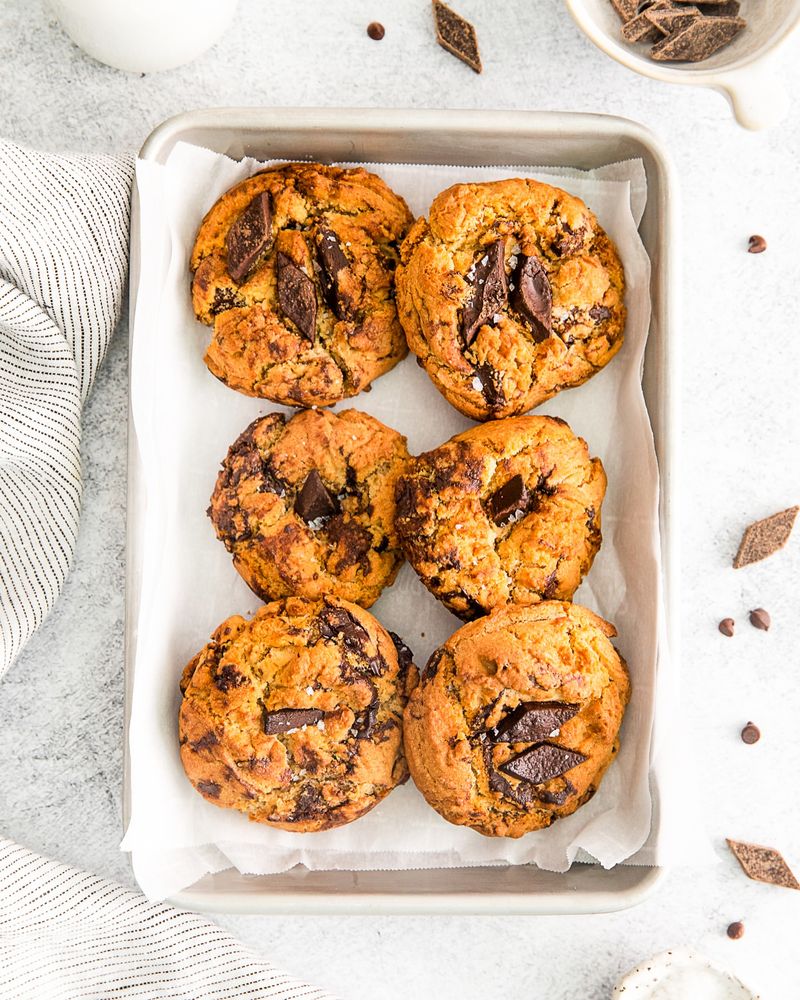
[764, 538]
[249, 237]
[533, 721]
[506, 501]
[285, 719]
[488, 292]
[641, 28]
[625, 8]
[672, 19]
[542, 762]
[314, 499]
[532, 296]
[297, 297]
[764, 864]
[700, 39]
[332, 260]
[456, 35]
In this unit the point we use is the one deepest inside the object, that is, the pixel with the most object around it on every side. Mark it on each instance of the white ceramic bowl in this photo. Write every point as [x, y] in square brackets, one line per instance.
[743, 71]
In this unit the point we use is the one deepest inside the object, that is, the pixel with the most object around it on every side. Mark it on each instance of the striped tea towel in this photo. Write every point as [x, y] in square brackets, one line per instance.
[63, 260]
[67, 935]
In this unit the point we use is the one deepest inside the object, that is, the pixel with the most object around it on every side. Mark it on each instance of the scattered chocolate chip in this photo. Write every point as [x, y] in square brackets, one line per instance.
[759, 618]
[376, 31]
[751, 733]
[507, 501]
[532, 296]
[456, 35]
[532, 721]
[700, 39]
[735, 930]
[314, 499]
[489, 291]
[542, 762]
[765, 537]
[756, 244]
[297, 297]
[726, 626]
[332, 260]
[284, 719]
[209, 788]
[249, 237]
[764, 864]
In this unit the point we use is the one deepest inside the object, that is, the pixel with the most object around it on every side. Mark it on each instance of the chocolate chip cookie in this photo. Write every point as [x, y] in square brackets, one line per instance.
[508, 293]
[294, 268]
[516, 718]
[507, 512]
[307, 506]
[295, 717]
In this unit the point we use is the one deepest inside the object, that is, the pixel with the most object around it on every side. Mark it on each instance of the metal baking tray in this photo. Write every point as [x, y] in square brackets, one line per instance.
[469, 138]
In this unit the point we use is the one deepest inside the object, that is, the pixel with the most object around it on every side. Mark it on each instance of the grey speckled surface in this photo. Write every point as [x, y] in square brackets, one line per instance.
[61, 704]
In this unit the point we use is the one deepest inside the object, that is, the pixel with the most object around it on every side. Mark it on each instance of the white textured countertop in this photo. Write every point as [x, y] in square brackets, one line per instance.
[61, 704]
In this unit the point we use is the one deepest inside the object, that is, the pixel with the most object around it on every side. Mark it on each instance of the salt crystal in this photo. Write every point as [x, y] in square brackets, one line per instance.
[497, 317]
[485, 259]
[309, 690]
[321, 725]
[477, 385]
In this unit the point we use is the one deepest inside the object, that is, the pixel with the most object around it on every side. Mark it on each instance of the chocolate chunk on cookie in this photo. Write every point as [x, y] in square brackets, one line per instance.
[533, 297]
[249, 237]
[488, 291]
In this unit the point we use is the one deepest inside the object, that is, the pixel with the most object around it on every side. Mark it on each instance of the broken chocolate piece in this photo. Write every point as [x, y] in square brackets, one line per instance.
[542, 762]
[533, 721]
[404, 655]
[756, 244]
[285, 719]
[625, 8]
[641, 28]
[700, 39]
[489, 292]
[297, 297]
[314, 499]
[506, 501]
[491, 385]
[249, 237]
[532, 296]
[332, 260]
[673, 19]
[760, 619]
[764, 538]
[337, 623]
[456, 35]
[764, 864]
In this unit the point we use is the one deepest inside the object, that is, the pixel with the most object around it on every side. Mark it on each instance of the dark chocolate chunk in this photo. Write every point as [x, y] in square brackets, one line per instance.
[404, 655]
[507, 501]
[431, 668]
[284, 719]
[310, 802]
[314, 500]
[270, 481]
[332, 260]
[376, 31]
[297, 297]
[491, 385]
[226, 676]
[673, 19]
[337, 623]
[523, 794]
[700, 39]
[764, 538]
[760, 619]
[726, 626]
[489, 291]
[249, 237]
[226, 298]
[641, 28]
[756, 244]
[532, 296]
[751, 733]
[206, 741]
[456, 35]
[764, 864]
[542, 762]
[599, 314]
[354, 539]
[209, 788]
[735, 930]
[557, 798]
[533, 721]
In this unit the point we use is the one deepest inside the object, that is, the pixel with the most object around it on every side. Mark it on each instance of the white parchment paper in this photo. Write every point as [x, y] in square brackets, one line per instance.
[184, 421]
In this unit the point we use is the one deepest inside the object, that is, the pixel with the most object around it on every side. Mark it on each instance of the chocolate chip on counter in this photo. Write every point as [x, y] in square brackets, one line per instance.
[285, 719]
[726, 626]
[764, 864]
[759, 618]
[376, 31]
[764, 538]
[456, 35]
[756, 244]
[751, 733]
[542, 762]
[314, 499]
[532, 296]
[735, 930]
[297, 297]
[489, 291]
[249, 237]
[507, 501]
[332, 260]
[532, 721]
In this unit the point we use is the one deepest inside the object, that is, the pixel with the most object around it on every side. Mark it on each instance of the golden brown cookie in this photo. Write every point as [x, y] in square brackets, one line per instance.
[307, 506]
[507, 512]
[516, 718]
[295, 717]
[294, 268]
[509, 292]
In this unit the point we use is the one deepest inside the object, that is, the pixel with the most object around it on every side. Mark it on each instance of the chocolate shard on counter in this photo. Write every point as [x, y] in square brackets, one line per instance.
[488, 292]
[249, 237]
[764, 864]
[456, 35]
[285, 719]
[700, 39]
[764, 538]
[332, 260]
[542, 762]
[297, 297]
[533, 721]
[314, 499]
[507, 501]
[532, 296]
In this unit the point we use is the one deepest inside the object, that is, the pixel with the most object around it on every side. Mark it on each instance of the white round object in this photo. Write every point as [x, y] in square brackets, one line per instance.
[144, 36]
[680, 975]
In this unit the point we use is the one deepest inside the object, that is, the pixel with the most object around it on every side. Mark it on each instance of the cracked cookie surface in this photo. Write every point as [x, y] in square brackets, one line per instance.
[506, 512]
[516, 718]
[508, 293]
[306, 506]
[294, 268]
[295, 716]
